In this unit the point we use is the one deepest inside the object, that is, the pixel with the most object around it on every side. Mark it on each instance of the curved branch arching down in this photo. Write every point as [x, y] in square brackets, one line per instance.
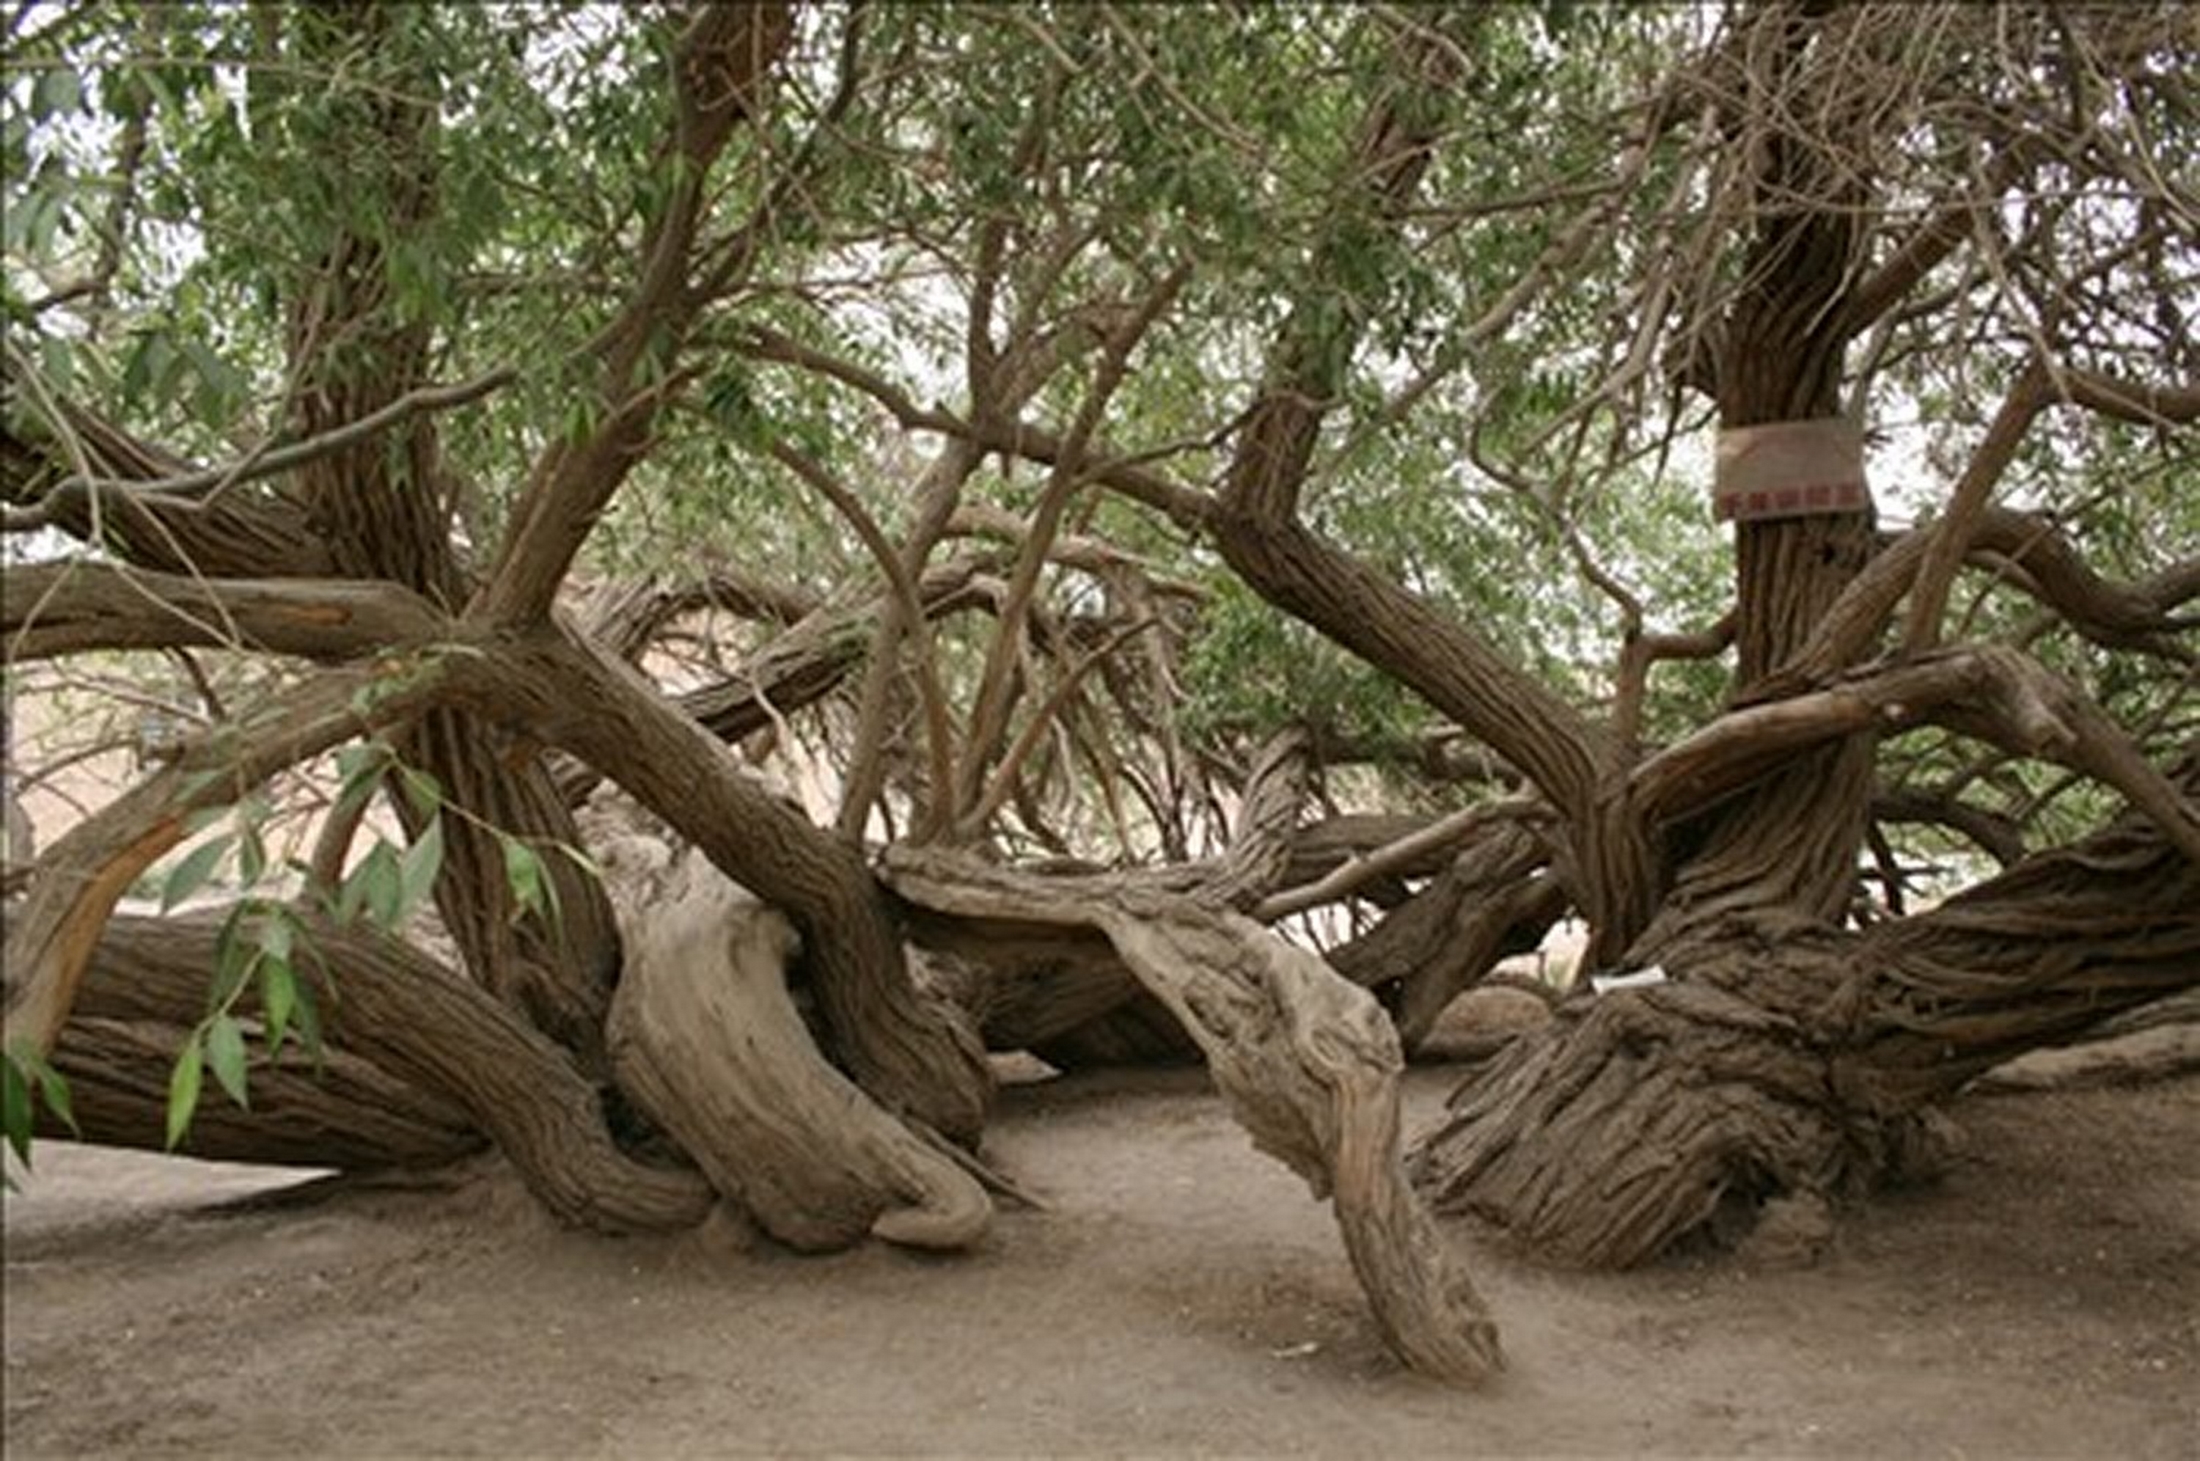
[2032, 552]
[901, 1048]
[1996, 693]
[1306, 1058]
[706, 1038]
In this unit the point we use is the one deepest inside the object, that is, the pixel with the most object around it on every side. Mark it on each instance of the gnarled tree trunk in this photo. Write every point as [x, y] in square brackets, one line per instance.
[1794, 1061]
[423, 1066]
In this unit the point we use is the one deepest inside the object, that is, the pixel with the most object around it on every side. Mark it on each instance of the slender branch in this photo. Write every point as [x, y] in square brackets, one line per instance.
[1027, 741]
[1119, 471]
[281, 459]
[1936, 240]
[939, 729]
[2000, 837]
[80, 879]
[989, 720]
[1643, 650]
[1951, 537]
[2141, 405]
[1357, 872]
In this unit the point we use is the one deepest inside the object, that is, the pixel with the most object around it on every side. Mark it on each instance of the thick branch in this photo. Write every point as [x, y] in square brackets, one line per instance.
[51, 609]
[625, 617]
[1307, 1060]
[1990, 691]
[2112, 614]
[1407, 851]
[1950, 538]
[389, 1005]
[899, 1048]
[2000, 837]
[719, 67]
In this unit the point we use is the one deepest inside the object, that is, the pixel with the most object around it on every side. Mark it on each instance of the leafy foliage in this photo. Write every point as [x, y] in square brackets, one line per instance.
[951, 232]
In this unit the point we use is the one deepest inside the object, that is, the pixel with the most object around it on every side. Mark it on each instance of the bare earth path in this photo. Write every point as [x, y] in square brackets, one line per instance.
[1182, 1297]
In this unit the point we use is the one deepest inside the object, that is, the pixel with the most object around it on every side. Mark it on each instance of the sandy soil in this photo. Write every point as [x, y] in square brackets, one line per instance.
[1181, 1296]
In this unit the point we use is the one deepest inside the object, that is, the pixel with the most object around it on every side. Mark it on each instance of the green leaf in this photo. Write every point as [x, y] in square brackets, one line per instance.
[362, 761]
[151, 368]
[278, 998]
[423, 861]
[233, 957]
[16, 1109]
[251, 855]
[524, 874]
[225, 1054]
[278, 933]
[362, 776]
[58, 356]
[53, 1087]
[59, 90]
[220, 383]
[191, 874]
[183, 1088]
[423, 791]
[373, 888]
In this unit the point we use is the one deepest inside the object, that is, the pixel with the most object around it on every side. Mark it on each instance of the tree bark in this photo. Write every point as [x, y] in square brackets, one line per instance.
[341, 1111]
[708, 1041]
[905, 1049]
[1792, 1060]
[428, 1067]
[1793, 840]
[1307, 1060]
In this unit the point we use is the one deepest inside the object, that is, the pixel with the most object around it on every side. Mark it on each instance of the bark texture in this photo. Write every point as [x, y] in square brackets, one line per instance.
[707, 1039]
[342, 1111]
[1799, 1061]
[424, 1067]
[1307, 1060]
[905, 1050]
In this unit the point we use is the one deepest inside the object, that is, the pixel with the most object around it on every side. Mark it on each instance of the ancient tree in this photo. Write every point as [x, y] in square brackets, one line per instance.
[774, 550]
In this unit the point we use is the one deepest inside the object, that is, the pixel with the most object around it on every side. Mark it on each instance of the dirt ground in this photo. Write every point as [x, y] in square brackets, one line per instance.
[1181, 1296]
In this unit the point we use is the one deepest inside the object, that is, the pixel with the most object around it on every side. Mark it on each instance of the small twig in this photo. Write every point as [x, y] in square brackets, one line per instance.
[1407, 850]
[255, 465]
